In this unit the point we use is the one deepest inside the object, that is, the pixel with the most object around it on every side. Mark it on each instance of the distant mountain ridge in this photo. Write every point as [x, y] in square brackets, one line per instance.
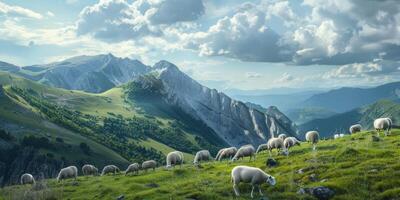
[87, 73]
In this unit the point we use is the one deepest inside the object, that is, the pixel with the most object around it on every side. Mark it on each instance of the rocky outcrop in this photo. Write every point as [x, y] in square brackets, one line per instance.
[232, 120]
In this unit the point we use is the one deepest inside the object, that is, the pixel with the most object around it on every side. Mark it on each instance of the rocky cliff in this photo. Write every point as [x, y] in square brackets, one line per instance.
[232, 120]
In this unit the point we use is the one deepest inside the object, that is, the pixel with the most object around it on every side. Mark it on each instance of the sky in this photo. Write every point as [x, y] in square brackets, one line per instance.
[224, 44]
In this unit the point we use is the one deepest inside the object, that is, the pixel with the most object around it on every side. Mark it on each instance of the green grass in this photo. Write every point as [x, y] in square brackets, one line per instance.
[355, 167]
[162, 147]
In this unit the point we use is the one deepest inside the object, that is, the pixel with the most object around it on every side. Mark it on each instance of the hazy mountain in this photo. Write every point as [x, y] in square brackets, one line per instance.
[303, 115]
[340, 123]
[87, 73]
[345, 99]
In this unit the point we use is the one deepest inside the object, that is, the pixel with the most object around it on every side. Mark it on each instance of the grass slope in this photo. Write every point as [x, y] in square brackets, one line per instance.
[355, 167]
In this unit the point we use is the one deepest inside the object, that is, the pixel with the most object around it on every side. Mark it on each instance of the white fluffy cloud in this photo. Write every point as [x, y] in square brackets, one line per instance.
[17, 11]
[118, 20]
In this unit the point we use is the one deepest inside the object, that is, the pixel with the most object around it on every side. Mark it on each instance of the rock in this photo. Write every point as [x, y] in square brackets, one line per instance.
[375, 138]
[321, 192]
[313, 178]
[121, 197]
[271, 162]
[152, 185]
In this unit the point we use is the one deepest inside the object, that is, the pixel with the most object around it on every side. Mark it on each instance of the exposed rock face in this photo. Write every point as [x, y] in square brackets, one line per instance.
[232, 120]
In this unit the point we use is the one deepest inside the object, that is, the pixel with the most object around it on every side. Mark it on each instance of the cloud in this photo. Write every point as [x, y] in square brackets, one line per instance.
[17, 11]
[50, 14]
[119, 20]
[253, 75]
[286, 77]
[243, 36]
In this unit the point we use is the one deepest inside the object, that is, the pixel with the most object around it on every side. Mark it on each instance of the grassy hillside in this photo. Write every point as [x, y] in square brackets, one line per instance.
[355, 167]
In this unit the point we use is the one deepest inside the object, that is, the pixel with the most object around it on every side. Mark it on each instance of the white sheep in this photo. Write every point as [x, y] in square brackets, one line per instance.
[227, 153]
[68, 172]
[132, 168]
[27, 179]
[355, 128]
[290, 142]
[313, 137]
[282, 136]
[262, 147]
[252, 175]
[174, 158]
[275, 143]
[219, 153]
[89, 170]
[149, 164]
[383, 124]
[110, 169]
[203, 155]
[244, 151]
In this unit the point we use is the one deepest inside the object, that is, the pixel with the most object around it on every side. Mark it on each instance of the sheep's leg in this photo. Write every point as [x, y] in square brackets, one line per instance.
[259, 191]
[252, 190]
[236, 189]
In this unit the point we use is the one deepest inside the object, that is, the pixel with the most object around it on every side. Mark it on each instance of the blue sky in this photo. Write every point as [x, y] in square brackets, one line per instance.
[225, 44]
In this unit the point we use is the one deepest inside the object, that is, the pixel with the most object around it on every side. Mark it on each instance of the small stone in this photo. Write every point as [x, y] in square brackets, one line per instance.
[375, 138]
[313, 178]
[121, 197]
[271, 162]
[322, 193]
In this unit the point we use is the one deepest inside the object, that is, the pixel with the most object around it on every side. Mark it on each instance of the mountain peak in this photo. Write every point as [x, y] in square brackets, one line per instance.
[163, 64]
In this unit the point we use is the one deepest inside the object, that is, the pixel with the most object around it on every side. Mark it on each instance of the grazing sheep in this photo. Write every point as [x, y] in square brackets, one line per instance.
[219, 153]
[89, 170]
[313, 137]
[252, 175]
[355, 128]
[244, 151]
[149, 164]
[383, 124]
[68, 172]
[261, 147]
[275, 143]
[282, 136]
[27, 179]
[110, 169]
[227, 153]
[132, 168]
[174, 158]
[202, 155]
[290, 142]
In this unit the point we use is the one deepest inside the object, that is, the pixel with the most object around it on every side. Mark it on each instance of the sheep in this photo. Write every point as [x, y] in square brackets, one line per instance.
[227, 153]
[110, 169]
[244, 151]
[282, 136]
[252, 175]
[313, 137]
[355, 128]
[290, 142]
[200, 156]
[132, 168]
[27, 179]
[68, 172]
[174, 158]
[149, 164]
[383, 124]
[219, 153]
[262, 147]
[89, 170]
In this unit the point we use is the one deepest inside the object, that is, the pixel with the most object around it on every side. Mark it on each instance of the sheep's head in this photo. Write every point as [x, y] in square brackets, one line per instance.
[271, 180]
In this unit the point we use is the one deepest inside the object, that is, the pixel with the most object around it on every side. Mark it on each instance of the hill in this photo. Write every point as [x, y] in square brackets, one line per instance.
[350, 166]
[340, 123]
[346, 99]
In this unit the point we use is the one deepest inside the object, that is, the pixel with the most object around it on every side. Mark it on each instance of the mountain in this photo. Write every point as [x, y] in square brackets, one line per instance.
[303, 115]
[87, 73]
[346, 99]
[365, 115]
[232, 120]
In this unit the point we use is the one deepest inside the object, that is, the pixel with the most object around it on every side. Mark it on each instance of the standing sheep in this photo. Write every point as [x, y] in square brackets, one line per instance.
[174, 158]
[244, 151]
[275, 143]
[132, 168]
[203, 155]
[355, 128]
[252, 175]
[89, 170]
[313, 137]
[290, 142]
[383, 124]
[282, 136]
[68, 172]
[27, 179]
[110, 169]
[149, 164]
[227, 153]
